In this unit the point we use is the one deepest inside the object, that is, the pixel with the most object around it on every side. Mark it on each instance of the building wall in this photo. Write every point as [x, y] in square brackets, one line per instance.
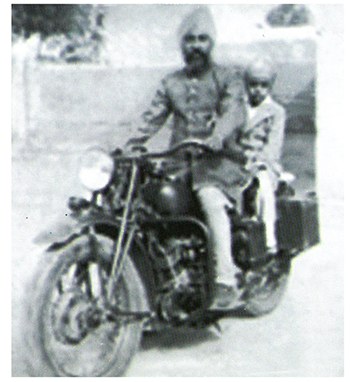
[62, 101]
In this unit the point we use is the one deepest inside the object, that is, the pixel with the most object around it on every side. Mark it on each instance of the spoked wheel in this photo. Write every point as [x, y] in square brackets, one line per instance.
[265, 287]
[75, 330]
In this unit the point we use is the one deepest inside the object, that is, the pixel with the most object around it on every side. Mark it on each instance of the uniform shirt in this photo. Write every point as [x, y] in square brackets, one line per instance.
[209, 107]
[198, 105]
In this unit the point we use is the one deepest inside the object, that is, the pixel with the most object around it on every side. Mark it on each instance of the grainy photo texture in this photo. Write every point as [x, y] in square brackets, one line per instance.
[170, 213]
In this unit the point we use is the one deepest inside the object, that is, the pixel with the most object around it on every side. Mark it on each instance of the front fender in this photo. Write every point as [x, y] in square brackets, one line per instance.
[71, 226]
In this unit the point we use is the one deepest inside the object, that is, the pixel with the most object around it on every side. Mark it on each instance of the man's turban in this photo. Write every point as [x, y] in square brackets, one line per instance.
[200, 21]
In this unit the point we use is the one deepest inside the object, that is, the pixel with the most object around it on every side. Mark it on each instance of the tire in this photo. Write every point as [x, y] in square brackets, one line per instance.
[58, 342]
[266, 287]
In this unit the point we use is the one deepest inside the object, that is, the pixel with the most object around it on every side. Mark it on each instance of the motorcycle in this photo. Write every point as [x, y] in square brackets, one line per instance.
[135, 258]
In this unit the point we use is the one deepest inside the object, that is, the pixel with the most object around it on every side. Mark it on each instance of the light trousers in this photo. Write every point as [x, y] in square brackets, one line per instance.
[214, 204]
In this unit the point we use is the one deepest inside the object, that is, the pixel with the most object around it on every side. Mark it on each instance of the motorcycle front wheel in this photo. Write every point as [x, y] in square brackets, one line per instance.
[71, 330]
[265, 287]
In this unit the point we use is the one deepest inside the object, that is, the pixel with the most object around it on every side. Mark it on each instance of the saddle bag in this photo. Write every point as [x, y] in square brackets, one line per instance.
[297, 226]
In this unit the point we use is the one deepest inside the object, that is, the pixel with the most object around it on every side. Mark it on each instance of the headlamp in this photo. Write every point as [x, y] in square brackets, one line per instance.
[96, 169]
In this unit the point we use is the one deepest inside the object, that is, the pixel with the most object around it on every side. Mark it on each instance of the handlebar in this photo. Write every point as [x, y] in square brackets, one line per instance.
[166, 153]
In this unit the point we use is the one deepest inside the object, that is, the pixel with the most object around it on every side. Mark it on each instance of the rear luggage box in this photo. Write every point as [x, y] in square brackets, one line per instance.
[297, 226]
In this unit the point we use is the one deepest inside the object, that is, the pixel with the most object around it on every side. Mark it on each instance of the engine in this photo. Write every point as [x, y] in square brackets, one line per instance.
[180, 263]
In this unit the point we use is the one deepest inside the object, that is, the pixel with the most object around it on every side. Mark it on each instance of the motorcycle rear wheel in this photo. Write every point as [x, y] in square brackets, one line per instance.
[266, 287]
[69, 333]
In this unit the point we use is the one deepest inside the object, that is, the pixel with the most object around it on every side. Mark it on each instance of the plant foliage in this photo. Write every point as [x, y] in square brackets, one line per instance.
[50, 19]
[289, 15]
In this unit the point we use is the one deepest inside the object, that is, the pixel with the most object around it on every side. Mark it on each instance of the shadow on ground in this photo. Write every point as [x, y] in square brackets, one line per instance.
[184, 336]
[178, 337]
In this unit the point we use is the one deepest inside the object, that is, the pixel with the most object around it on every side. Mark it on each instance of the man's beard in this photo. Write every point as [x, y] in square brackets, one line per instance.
[197, 60]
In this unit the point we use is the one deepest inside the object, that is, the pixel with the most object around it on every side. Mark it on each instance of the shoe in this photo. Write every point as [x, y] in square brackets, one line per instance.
[272, 249]
[272, 252]
[227, 297]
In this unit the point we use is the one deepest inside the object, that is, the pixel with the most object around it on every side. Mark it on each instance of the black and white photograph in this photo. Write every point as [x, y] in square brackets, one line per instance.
[177, 190]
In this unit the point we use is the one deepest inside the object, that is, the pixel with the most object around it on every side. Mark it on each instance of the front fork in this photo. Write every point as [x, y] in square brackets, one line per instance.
[120, 251]
[125, 237]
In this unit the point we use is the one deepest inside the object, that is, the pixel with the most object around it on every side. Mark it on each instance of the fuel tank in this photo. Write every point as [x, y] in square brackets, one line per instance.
[171, 197]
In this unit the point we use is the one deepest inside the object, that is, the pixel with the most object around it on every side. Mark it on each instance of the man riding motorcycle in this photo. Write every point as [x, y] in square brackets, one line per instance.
[207, 104]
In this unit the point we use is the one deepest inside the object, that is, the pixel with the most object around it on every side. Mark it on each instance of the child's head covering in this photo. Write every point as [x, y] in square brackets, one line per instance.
[263, 68]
